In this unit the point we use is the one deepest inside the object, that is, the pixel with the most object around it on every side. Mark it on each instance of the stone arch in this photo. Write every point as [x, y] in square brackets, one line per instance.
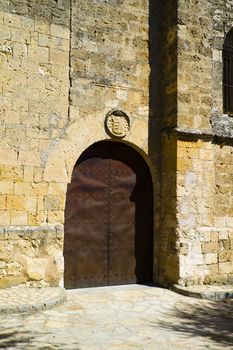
[64, 151]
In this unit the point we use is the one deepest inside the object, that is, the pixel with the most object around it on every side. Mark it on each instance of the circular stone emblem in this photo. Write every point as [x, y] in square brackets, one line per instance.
[117, 123]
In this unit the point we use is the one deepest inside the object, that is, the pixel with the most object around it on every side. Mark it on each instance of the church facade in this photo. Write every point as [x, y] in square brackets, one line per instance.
[116, 148]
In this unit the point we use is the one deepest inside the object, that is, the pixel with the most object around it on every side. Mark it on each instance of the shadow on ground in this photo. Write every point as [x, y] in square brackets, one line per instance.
[20, 339]
[213, 320]
[14, 337]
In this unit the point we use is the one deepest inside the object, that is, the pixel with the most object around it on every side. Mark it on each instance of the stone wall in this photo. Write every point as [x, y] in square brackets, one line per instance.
[223, 214]
[204, 211]
[62, 70]
[109, 61]
[34, 66]
[195, 209]
[61, 74]
[31, 255]
[204, 148]
[109, 71]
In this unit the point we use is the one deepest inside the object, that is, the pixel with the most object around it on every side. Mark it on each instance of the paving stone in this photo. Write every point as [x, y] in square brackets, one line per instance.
[123, 317]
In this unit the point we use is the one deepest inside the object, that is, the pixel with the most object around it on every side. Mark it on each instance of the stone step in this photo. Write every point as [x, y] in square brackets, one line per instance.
[28, 300]
[220, 292]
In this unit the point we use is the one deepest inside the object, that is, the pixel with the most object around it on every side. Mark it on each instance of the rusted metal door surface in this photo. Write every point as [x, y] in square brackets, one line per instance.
[108, 219]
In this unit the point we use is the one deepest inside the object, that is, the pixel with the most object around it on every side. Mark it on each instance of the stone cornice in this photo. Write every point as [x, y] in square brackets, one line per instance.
[221, 132]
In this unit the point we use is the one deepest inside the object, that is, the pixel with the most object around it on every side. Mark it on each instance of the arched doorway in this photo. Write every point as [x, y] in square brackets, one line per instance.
[109, 218]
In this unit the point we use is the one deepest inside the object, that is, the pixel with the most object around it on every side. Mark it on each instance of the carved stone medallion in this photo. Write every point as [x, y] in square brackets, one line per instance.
[117, 123]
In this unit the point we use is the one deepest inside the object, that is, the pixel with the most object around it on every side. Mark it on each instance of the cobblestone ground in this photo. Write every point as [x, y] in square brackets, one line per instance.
[124, 317]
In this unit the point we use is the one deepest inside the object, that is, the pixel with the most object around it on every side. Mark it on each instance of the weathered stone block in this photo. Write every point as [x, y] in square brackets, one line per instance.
[5, 32]
[15, 21]
[20, 36]
[8, 157]
[15, 202]
[14, 269]
[225, 243]
[11, 117]
[39, 189]
[38, 54]
[4, 218]
[226, 267]
[18, 218]
[60, 44]
[38, 174]
[209, 247]
[22, 188]
[28, 173]
[20, 104]
[42, 27]
[2, 202]
[44, 40]
[59, 57]
[36, 268]
[210, 258]
[29, 158]
[184, 164]
[6, 187]
[37, 218]
[6, 250]
[8, 281]
[56, 216]
[225, 256]
[56, 188]
[59, 32]
[31, 203]
[52, 202]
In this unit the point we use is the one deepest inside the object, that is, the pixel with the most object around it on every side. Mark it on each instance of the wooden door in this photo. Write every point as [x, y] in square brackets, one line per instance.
[108, 219]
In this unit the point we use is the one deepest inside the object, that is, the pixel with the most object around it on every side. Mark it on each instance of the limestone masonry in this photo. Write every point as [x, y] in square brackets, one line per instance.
[64, 65]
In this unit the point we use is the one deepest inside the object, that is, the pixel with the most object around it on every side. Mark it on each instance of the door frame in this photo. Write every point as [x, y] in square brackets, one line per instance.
[149, 173]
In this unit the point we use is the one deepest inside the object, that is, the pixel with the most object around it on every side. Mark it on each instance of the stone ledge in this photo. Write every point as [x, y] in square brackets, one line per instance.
[31, 232]
[214, 135]
[29, 300]
[205, 292]
[222, 125]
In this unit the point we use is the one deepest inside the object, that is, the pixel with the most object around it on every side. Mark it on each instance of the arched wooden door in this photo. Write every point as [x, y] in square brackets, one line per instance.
[109, 218]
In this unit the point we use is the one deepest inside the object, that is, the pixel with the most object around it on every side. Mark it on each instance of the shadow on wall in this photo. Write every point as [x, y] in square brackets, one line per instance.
[50, 10]
[213, 320]
[162, 144]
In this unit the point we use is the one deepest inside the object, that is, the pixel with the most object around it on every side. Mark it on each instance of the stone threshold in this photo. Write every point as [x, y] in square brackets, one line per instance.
[220, 292]
[28, 300]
